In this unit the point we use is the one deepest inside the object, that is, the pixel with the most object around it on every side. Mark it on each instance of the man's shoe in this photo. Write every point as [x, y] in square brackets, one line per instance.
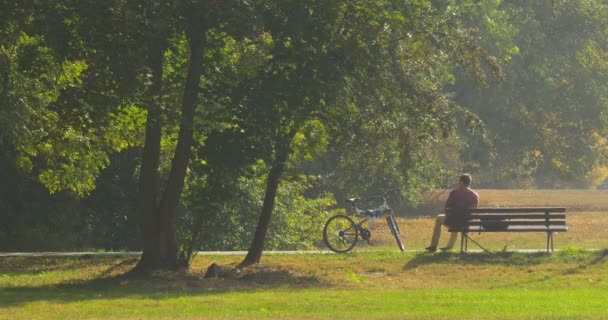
[431, 249]
[446, 249]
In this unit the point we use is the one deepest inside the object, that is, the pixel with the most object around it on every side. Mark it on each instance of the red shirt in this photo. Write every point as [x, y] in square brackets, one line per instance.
[461, 198]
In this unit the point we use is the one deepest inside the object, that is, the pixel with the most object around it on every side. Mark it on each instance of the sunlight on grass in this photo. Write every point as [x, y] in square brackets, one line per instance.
[336, 304]
[381, 284]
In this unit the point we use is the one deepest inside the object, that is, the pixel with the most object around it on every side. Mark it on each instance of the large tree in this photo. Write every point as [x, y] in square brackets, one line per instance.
[156, 213]
[156, 206]
[87, 64]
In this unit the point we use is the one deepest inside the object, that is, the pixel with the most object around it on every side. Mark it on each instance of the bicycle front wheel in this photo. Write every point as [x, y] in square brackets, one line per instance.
[392, 224]
[340, 233]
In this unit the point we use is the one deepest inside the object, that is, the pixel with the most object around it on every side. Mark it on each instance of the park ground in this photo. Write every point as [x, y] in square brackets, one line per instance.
[375, 282]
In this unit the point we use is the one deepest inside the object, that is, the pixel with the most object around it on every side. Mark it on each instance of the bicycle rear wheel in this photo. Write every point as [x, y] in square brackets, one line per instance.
[392, 224]
[340, 233]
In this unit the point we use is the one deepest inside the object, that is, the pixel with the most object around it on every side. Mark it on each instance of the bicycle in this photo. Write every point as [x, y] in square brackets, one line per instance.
[341, 233]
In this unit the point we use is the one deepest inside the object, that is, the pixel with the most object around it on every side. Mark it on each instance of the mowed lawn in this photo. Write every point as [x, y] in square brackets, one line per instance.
[381, 284]
[375, 282]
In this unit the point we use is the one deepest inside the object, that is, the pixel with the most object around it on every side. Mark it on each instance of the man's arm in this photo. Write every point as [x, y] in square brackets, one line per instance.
[449, 203]
[476, 202]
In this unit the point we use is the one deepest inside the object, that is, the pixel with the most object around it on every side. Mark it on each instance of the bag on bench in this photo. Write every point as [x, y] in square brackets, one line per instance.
[492, 224]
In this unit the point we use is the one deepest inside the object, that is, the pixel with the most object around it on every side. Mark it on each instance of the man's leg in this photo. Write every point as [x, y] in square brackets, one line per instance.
[436, 233]
[452, 241]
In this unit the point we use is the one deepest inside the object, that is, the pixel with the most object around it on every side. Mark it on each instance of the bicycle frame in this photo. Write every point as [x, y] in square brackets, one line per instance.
[341, 233]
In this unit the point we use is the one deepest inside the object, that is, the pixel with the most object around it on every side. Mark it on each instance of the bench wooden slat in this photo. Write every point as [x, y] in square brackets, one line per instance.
[519, 223]
[517, 210]
[473, 216]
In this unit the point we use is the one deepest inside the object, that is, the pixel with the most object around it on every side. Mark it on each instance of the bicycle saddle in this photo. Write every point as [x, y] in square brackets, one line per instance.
[352, 200]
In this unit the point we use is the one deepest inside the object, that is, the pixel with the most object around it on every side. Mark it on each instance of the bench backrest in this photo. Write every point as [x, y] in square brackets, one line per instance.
[517, 210]
[523, 216]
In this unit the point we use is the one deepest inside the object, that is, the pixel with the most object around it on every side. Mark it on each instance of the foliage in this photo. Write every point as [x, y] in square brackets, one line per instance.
[397, 119]
[36, 87]
[35, 220]
[221, 215]
[546, 117]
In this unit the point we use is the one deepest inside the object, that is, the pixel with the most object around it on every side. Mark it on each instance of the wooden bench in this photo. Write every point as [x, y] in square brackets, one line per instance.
[535, 219]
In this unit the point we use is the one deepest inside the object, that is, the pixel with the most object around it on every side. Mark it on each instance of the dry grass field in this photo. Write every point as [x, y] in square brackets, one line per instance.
[574, 200]
[587, 216]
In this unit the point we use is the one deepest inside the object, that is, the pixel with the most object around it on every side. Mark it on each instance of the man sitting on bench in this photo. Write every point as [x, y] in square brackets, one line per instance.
[461, 198]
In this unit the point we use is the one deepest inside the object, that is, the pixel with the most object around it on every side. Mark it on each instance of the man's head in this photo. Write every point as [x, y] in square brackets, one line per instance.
[465, 180]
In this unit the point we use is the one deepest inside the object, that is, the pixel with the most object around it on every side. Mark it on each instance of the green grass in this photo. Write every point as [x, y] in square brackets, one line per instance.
[381, 284]
[335, 304]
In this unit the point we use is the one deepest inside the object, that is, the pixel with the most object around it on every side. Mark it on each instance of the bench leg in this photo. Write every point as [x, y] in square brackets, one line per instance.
[463, 235]
[463, 242]
[549, 241]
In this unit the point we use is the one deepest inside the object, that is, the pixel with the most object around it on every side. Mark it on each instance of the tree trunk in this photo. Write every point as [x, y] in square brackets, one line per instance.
[181, 158]
[156, 217]
[272, 184]
[147, 195]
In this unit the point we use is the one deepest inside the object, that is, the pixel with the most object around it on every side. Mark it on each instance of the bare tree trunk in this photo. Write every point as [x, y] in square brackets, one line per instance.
[272, 184]
[147, 195]
[181, 158]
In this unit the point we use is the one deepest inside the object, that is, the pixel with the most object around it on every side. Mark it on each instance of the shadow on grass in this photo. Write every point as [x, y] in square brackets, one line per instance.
[112, 283]
[15, 266]
[598, 259]
[522, 270]
[501, 258]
